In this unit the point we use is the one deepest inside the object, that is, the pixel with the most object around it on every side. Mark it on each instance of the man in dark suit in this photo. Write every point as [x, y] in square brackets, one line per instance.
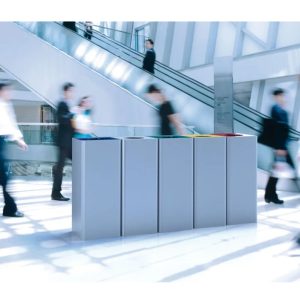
[149, 60]
[64, 141]
[280, 127]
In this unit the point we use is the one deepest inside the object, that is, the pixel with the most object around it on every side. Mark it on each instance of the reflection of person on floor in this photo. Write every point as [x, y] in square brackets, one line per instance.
[280, 117]
[82, 121]
[8, 131]
[167, 113]
[64, 140]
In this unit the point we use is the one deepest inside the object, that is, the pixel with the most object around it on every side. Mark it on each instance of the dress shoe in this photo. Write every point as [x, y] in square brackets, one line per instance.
[59, 197]
[17, 214]
[274, 200]
[297, 239]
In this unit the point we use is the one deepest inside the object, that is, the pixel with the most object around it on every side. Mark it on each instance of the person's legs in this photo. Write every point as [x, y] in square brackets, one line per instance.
[10, 207]
[297, 239]
[58, 172]
[70, 154]
[270, 192]
[63, 154]
[290, 161]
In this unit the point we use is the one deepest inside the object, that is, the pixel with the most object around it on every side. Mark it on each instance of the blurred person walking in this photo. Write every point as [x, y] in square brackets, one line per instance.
[279, 138]
[8, 131]
[150, 56]
[64, 140]
[88, 25]
[82, 121]
[168, 117]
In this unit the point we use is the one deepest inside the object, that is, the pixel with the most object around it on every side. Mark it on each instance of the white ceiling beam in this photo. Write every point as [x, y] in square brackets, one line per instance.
[253, 37]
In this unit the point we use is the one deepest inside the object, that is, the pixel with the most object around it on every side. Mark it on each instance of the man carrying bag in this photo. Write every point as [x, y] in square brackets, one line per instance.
[276, 135]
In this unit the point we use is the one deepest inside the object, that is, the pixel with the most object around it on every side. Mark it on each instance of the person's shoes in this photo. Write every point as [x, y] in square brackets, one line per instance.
[297, 239]
[59, 197]
[17, 214]
[273, 200]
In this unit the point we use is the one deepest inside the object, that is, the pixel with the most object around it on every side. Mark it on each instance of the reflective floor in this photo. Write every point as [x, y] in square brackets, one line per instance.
[40, 247]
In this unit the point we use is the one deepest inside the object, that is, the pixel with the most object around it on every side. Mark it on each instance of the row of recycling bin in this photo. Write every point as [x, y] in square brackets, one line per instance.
[134, 186]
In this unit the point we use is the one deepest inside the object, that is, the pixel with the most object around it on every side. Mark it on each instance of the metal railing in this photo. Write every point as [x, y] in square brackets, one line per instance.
[129, 39]
[46, 133]
[39, 133]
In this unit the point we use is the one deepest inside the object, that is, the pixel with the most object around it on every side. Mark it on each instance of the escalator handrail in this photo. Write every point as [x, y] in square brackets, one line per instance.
[116, 30]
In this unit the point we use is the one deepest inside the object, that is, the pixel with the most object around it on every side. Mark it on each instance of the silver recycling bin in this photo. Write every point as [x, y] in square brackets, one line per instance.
[241, 179]
[96, 207]
[139, 186]
[175, 184]
[209, 181]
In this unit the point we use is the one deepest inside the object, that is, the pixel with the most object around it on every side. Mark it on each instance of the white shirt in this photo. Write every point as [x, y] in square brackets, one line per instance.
[83, 122]
[8, 123]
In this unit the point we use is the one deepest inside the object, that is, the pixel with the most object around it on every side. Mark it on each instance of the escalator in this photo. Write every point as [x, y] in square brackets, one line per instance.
[41, 66]
[111, 70]
[246, 120]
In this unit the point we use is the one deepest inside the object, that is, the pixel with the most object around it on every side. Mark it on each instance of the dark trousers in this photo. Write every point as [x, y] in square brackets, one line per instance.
[10, 206]
[88, 35]
[148, 70]
[63, 154]
[272, 182]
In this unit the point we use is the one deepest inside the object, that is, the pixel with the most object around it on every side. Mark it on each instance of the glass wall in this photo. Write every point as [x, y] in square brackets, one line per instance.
[288, 34]
[201, 34]
[141, 34]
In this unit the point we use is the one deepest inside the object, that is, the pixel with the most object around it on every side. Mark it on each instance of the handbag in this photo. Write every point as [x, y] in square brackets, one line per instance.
[274, 134]
[267, 136]
[281, 169]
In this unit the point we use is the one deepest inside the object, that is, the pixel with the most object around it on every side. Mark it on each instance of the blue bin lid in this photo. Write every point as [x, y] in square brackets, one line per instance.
[170, 137]
[97, 138]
